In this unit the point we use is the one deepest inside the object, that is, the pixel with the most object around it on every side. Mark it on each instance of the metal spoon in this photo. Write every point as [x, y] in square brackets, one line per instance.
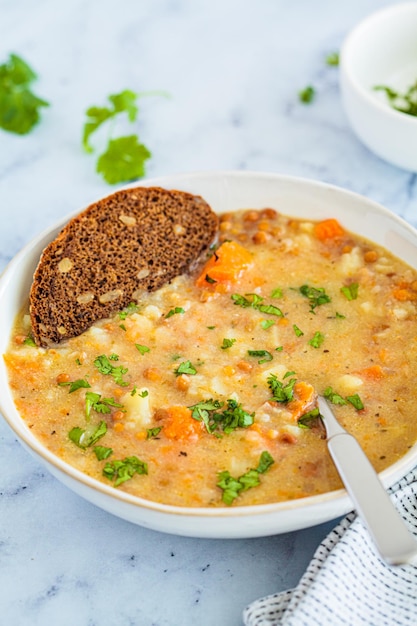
[392, 538]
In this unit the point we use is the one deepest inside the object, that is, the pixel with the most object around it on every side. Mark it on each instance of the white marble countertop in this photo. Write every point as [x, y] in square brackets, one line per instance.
[233, 69]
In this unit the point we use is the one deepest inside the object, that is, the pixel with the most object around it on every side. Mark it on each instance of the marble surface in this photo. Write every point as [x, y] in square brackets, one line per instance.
[233, 69]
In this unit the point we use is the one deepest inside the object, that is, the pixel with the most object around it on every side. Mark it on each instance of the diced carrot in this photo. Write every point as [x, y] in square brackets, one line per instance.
[328, 229]
[374, 372]
[180, 425]
[403, 294]
[152, 373]
[118, 427]
[226, 265]
[304, 399]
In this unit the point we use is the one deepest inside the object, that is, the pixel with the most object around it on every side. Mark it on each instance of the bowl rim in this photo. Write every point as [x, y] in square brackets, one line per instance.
[338, 500]
[346, 69]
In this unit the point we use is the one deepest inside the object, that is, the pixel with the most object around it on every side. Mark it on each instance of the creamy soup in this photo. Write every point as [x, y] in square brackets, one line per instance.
[204, 393]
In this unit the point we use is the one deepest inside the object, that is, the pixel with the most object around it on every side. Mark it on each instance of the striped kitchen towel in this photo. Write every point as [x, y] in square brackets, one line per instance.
[347, 583]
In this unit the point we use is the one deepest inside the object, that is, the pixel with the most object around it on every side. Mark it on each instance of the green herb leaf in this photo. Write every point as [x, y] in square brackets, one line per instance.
[102, 452]
[234, 416]
[276, 293]
[124, 160]
[267, 324]
[132, 307]
[306, 420]
[142, 349]
[104, 366]
[121, 471]
[404, 103]
[333, 397]
[281, 392]
[297, 330]
[350, 291]
[94, 401]
[81, 383]
[266, 356]
[178, 310]
[153, 432]
[29, 341]
[19, 107]
[356, 401]
[316, 296]
[186, 367]
[316, 340]
[210, 280]
[227, 343]
[255, 302]
[232, 487]
[307, 94]
[333, 59]
[84, 438]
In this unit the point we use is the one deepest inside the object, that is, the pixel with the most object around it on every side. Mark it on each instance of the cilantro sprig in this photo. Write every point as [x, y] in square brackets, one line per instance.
[316, 296]
[405, 102]
[255, 302]
[282, 391]
[19, 106]
[124, 158]
[104, 366]
[120, 471]
[86, 437]
[94, 401]
[233, 487]
[234, 416]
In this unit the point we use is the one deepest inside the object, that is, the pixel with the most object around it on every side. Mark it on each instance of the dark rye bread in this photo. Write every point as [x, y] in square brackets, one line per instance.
[134, 240]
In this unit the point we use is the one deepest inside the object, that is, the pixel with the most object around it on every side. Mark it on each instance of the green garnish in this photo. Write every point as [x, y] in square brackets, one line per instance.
[333, 397]
[81, 383]
[297, 330]
[306, 420]
[209, 279]
[176, 311]
[281, 392]
[94, 401]
[19, 107]
[227, 343]
[232, 487]
[142, 349]
[340, 316]
[356, 401]
[316, 340]
[121, 471]
[266, 356]
[404, 103]
[122, 326]
[316, 296]
[234, 416]
[186, 367]
[306, 95]
[124, 159]
[276, 293]
[144, 393]
[132, 307]
[102, 452]
[29, 341]
[255, 302]
[84, 438]
[333, 59]
[267, 324]
[104, 366]
[350, 291]
[153, 432]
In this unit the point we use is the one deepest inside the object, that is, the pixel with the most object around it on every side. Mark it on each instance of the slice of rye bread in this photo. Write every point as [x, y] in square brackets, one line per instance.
[134, 240]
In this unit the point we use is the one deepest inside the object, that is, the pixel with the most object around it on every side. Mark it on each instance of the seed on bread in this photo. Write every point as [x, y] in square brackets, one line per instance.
[133, 241]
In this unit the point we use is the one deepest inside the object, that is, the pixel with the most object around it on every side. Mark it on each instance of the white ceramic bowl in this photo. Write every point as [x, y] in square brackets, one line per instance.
[382, 50]
[224, 191]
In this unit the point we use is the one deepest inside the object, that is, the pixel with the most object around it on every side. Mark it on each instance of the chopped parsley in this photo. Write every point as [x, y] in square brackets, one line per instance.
[121, 471]
[316, 296]
[255, 302]
[306, 420]
[104, 366]
[276, 293]
[333, 397]
[350, 291]
[153, 432]
[356, 401]
[297, 330]
[404, 103]
[267, 324]
[102, 452]
[232, 487]
[186, 367]
[316, 340]
[29, 341]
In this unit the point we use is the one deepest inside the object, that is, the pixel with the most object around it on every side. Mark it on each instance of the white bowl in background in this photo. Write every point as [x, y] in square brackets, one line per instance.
[224, 191]
[382, 50]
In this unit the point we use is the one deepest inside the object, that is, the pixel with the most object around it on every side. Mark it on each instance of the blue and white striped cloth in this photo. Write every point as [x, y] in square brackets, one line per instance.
[347, 583]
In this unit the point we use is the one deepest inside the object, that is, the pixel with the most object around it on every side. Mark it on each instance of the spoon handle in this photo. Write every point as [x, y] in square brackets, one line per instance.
[392, 538]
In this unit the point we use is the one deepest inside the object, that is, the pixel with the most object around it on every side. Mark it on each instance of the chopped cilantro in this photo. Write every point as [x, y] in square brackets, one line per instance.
[404, 103]
[176, 311]
[124, 160]
[306, 95]
[276, 293]
[19, 107]
[316, 340]
[267, 324]
[232, 487]
[297, 330]
[255, 302]
[234, 416]
[356, 401]
[306, 420]
[316, 296]
[102, 452]
[104, 366]
[281, 392]
[94, 401]
[266, 356]
[81, 383]
[153, 432]
[227, 343]
[209, 279]
[29, 341]
[122, 326]
[121, 471]
[350, 291]
[333, 397]
[84, 438]
[144, 393]
[186, 367]
[142, 349]
[332, 59]
[132, 307]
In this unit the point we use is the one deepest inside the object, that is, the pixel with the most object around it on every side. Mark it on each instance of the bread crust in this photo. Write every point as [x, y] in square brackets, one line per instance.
[134, 240]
